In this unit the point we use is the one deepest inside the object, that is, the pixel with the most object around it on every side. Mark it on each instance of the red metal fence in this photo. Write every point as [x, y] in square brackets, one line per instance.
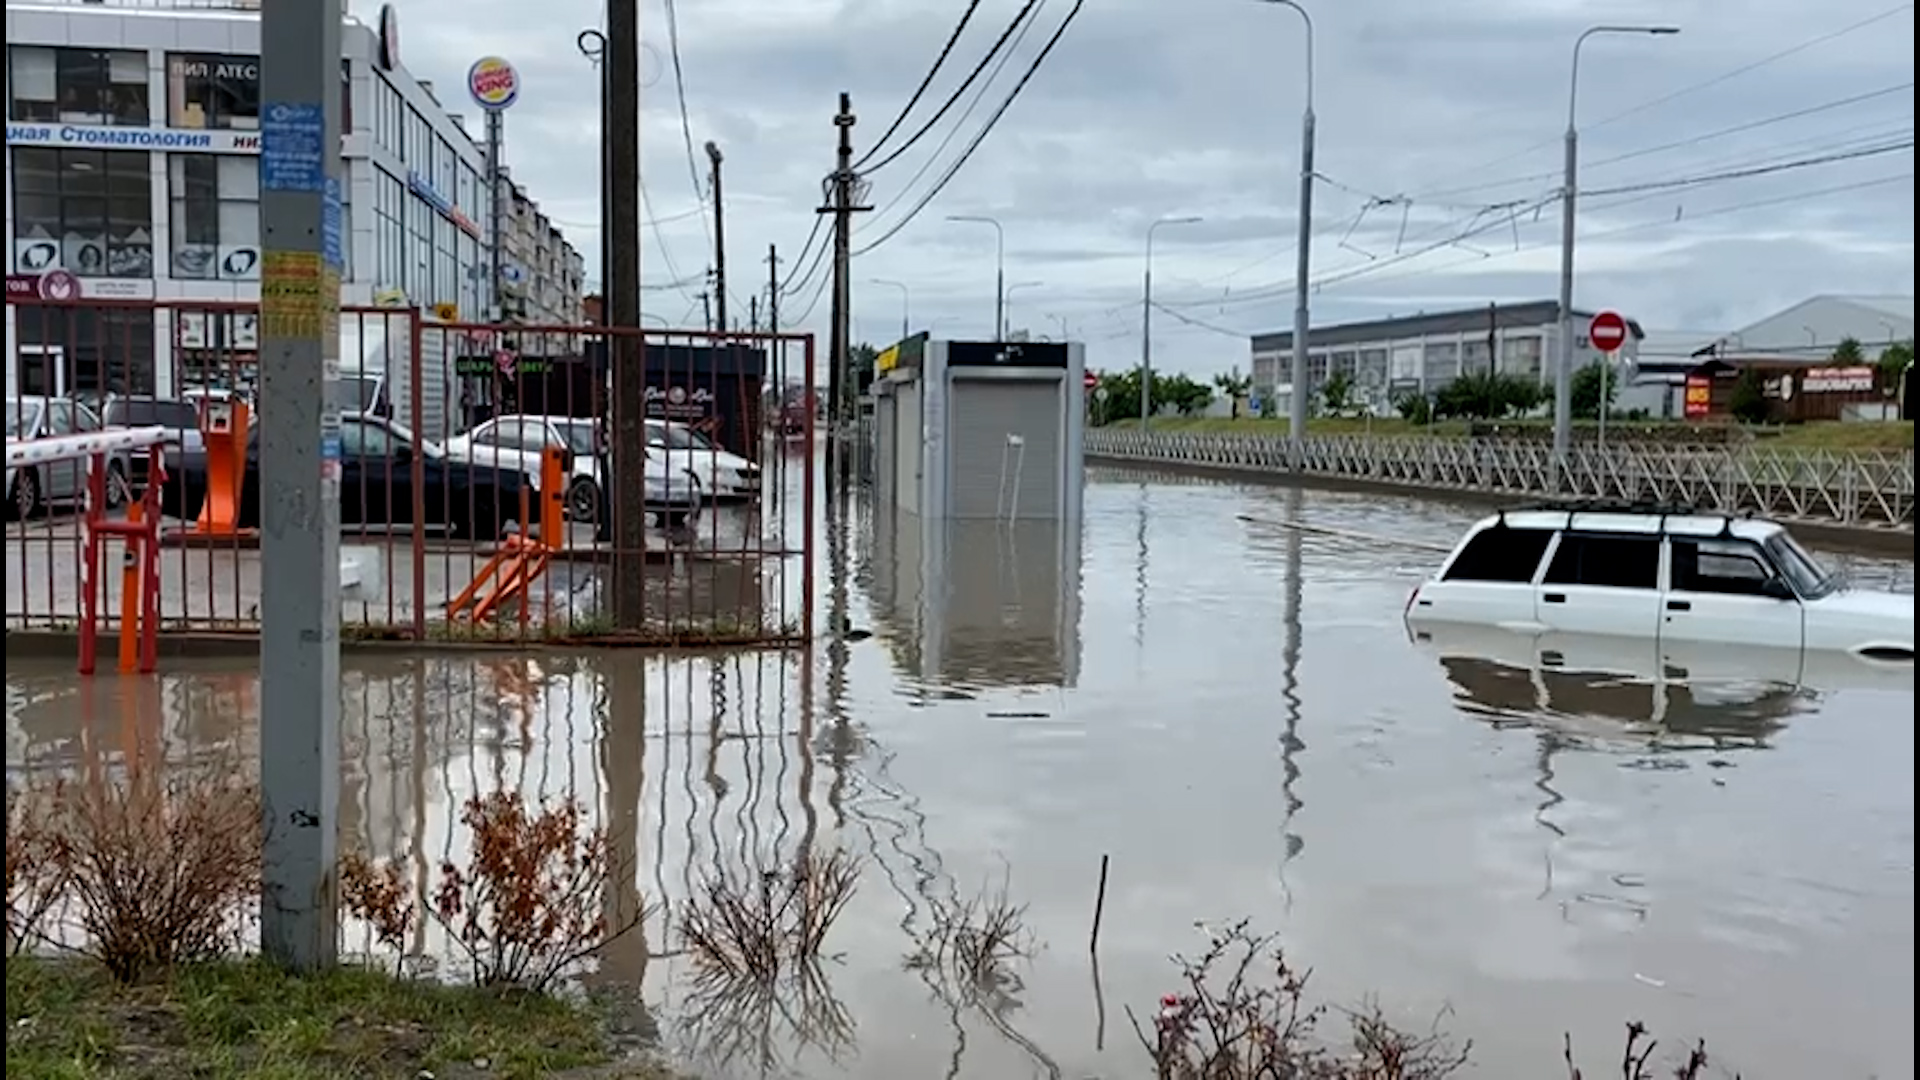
[444, 430]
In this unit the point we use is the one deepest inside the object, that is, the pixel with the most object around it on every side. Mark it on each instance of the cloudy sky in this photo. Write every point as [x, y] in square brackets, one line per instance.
[1438, 155]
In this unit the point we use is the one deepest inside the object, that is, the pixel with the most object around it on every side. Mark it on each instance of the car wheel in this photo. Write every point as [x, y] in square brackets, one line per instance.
[25, 494]
[119, 490]
[583, 499]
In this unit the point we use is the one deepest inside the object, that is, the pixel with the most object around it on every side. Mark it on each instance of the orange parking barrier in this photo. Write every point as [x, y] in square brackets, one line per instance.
[522, 558]
[223, 427]
[140, 569]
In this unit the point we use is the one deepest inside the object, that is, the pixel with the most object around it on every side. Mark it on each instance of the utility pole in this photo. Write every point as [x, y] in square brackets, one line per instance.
[303, 235]
[719, 241]
[627, 354]
[753, 314]
[840, 334]
[1493, 338]
[706, 303]
[773, 289]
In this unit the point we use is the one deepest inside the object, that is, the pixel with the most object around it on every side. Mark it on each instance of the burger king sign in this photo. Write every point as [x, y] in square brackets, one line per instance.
[493, 83]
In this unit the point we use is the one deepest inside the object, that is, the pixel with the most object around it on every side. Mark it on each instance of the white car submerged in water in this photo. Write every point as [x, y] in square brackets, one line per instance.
[1667, 575]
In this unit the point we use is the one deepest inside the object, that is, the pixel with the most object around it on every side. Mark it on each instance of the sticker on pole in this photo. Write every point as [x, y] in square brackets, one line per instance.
[1607, 331]
[332, 225]
[293, 137]
[494, 84]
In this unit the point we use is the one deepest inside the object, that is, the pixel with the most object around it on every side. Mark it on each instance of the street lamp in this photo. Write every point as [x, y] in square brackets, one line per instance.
[906, 303]
[1303, 255]
[1016, 287]
[999, 270]
[1569, 190]
[1146, 319]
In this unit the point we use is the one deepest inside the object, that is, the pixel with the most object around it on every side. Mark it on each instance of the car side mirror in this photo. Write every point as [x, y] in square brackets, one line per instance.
[402, 455]
[1778, 589]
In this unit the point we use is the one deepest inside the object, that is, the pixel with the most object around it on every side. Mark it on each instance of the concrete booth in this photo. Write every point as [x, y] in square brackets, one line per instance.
[973, 430]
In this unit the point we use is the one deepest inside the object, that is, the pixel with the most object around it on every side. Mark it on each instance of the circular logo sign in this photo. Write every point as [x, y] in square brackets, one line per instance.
[59, 285]
[493, 82]
[677, 396]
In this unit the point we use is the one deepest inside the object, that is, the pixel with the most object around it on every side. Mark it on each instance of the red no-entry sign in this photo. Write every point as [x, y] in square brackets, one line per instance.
[1608, 331]
[1090, 380]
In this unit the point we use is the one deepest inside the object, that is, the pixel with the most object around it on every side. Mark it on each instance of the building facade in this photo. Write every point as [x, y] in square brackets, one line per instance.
[544, 275]
[133, 165]
[1386, 359]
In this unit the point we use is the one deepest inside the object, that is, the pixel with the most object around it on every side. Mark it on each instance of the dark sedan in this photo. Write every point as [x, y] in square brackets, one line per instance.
[376, 484]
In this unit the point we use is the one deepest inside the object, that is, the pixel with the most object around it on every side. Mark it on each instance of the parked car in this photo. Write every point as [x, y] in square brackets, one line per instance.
[1661, 575]
[517, 442]
[32, 416]
[376, 483]
[723, 474]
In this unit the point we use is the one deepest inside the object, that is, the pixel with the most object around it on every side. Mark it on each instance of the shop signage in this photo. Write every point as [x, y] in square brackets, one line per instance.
[389, 38]
[1699, 400]
[95, 137]
[60, 286]
[444, 206]
[494, 83]
[1837, 380]
[679, 402]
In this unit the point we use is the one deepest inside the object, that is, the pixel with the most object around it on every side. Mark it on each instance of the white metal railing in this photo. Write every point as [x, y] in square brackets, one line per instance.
[1865, 488]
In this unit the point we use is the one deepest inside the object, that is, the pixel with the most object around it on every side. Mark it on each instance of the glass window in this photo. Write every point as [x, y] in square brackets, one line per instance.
[78, 86]
[1442, 362]
[1724, 567]
[102, 350]
[211, 91]
[1521, 356]
[1499, 553]
[216, 216]
[1615, 562]
[1810, 579]
[1475, 358]
[86, 211]
[364, 440]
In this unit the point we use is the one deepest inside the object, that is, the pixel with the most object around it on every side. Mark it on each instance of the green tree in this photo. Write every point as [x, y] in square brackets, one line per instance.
[1337, 393]
[1488, 396]
[1414, 408]
[1122, 395]
[1749, 400]
[860, 362]
[1894, 361]
[1236, 387]
[1848, 353]
[1181, 392]
[1587, 388]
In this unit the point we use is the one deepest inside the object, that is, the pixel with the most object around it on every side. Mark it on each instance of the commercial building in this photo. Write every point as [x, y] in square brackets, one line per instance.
[1385, 359]
[132, 170]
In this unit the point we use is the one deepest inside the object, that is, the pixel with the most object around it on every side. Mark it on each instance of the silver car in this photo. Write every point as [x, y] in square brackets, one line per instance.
[32, 487]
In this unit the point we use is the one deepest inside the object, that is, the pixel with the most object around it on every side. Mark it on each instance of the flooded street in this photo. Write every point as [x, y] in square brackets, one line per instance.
[1234, 713]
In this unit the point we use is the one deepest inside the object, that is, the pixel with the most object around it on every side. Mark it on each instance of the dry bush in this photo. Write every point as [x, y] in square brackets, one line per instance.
[1635, 1060]
[36, 876]
[752, 1023]
[751, 925]
[159, 868]
[528, 908]
[1243, 1014]
[972, 942]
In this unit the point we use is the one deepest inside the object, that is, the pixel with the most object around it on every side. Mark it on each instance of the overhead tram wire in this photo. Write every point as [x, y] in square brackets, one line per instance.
[920, 91]
[980, 137]
[1020, 20]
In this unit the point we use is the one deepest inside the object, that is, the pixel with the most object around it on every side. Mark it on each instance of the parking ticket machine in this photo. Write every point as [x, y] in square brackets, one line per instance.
[223, 431]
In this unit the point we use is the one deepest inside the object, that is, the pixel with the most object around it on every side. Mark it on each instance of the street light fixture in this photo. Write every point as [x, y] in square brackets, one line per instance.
[999, 269]
[1014, 288]
[1303, 256]
[906, 303]
[1569, 190]
[1146, 318]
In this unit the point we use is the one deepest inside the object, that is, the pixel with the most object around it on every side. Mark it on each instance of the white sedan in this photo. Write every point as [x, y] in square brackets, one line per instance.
[723, 474]
[517, 442]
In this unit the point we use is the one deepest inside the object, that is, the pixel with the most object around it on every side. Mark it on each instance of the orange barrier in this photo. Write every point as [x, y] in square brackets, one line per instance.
[223, 427]
[522, 558]
[140, 569]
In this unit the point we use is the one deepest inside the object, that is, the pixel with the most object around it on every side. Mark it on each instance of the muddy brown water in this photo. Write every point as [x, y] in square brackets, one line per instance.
[1235, 714]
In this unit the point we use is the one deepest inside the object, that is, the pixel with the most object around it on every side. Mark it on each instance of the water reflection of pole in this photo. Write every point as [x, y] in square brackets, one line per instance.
[1290, 741]
[623, 753]
[1140, 577]
[1550, 744]
[840, 742]
[417, 843]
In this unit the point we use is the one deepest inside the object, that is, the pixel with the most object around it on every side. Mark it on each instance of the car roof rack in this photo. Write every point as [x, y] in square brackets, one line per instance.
[1613, 506]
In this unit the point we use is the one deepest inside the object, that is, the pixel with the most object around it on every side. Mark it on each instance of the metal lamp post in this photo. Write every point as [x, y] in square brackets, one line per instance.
[1303, 256]
[1146, 319]
[1563, 367]
[906, 303]
[999, 270]
[1016, 287]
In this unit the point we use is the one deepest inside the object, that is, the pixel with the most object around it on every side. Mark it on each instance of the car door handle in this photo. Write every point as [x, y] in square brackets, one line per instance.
[1555, 598]
[1679, 605]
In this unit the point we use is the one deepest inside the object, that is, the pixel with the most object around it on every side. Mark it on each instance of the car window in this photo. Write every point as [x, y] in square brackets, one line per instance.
[487, 434]
[1725, 567]
[20, 419]
[656, 436]
[1499, 553]
[59, 418]
[1608, 561]
[579, 437]
[84, 419]
[363, 440]
[176, 415]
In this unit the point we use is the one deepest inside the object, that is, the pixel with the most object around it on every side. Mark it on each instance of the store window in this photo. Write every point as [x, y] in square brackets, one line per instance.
[206, 90]
[89, 212]
[77, 86]
[84, 351]
[216, 216]
[1521, 356]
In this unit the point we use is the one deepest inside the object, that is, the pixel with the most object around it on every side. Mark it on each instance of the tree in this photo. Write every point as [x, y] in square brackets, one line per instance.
[1181, 392]
[1749, 400]
[860, 362]
[1894, 361]
[1848, 353]
[1414, 408]
[1587, 384]
[1235, 386]
[1122, 400]
[1337, 393]
[1488, 396]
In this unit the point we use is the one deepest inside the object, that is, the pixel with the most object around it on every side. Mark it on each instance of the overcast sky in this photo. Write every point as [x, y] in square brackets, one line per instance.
[1439, 152]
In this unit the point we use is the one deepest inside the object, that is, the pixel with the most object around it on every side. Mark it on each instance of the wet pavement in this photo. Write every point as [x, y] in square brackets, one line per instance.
[1234, 713]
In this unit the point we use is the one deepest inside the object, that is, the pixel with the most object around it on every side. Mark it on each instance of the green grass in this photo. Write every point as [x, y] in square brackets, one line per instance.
[247, 1021]
[1888, 435]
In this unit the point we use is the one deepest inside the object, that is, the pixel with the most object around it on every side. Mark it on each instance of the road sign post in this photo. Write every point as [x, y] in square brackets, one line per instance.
[1607, 332]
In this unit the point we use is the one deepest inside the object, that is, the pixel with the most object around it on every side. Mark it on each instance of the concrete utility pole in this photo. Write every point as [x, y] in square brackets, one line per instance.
[304, 237]
[773, 289]
[1563, 363]
[906, 303]
[1303, 260]
[719, 242]
[1146, 321]
[627, 354]
[999, 270]
[753, 314]
[706, 303]
[840, 336]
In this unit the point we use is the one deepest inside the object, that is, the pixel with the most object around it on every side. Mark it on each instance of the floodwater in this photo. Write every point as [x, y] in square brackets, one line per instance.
[1234, 714]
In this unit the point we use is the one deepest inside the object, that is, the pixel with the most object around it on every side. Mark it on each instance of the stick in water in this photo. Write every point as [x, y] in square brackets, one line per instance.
[1099, 906]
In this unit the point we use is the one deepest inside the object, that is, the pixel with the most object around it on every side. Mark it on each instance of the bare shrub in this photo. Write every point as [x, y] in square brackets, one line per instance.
[751, 924]
[379, 894]
[752, 1023]
[1636, 1059]
[972, 942]
[1243, 1014]
[36, 875]
[159, 867]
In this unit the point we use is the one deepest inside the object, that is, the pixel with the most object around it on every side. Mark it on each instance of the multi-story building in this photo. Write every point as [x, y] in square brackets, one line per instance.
[132, 164]
[544, 275]
[1385, 359]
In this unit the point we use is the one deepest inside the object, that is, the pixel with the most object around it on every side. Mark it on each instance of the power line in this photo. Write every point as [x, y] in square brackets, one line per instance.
[660, 240]
[1758, 170]
[938, 61]
[1019, 20]
[954, 169]
[686, 126]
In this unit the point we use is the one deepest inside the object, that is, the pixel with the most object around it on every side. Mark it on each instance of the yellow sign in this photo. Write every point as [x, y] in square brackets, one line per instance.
[446, 312]
[887, 360]
[299, 295]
